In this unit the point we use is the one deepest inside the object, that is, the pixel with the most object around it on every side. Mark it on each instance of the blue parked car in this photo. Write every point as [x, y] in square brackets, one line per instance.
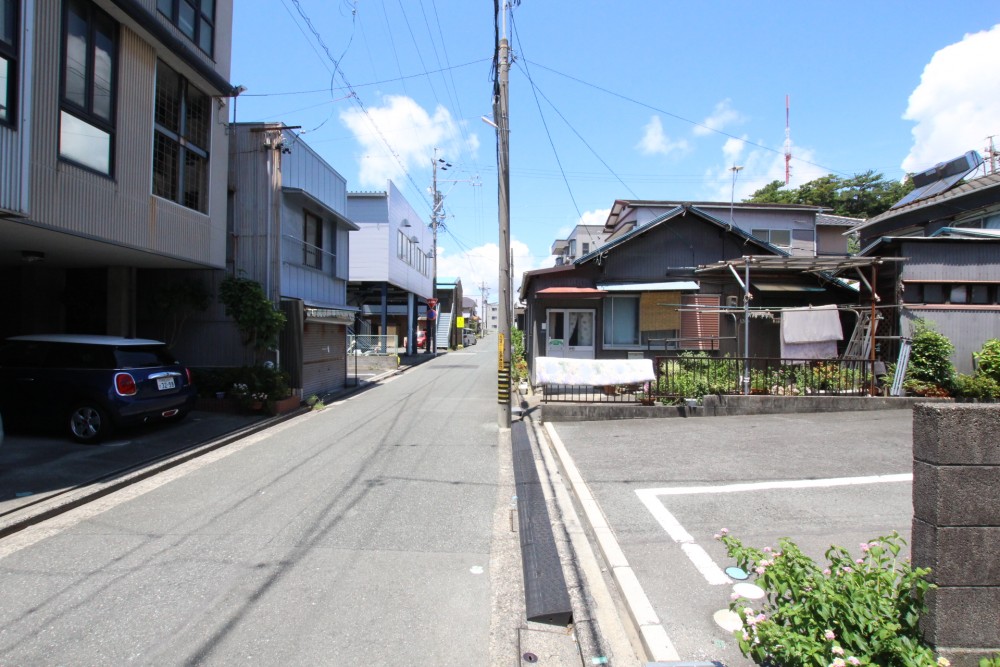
[91, 385]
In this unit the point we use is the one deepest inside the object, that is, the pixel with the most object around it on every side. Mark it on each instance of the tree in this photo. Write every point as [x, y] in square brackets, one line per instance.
[863, 195]
[259, 323]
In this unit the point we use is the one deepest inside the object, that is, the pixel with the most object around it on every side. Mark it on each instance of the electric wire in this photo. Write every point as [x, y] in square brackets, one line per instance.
[686, 120]
[392, 42]
[573, 129]
[545, 125]
[401, 78]
[358, 101]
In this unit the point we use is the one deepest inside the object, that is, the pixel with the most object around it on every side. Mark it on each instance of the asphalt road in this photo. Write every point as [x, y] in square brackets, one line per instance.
[359, 534]
[659, 482]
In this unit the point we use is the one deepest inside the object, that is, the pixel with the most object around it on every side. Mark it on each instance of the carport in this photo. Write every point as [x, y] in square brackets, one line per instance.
[825, 268]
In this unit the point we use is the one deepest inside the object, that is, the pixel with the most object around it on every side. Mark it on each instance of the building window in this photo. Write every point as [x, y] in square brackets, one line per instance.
[8, 60]
[978, 294]
[585, 248]
[776, 237]
[312, 241]
[194, 18]
[621, 321]
[180, 142]
[89, 60]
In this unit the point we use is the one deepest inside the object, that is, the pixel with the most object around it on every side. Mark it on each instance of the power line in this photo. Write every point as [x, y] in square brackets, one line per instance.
[686, 120]
[338, 71]
[400, 78]
[545, 125]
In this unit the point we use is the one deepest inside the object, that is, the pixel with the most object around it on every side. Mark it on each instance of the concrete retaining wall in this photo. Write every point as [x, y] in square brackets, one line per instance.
[719, 406]
[956, 526]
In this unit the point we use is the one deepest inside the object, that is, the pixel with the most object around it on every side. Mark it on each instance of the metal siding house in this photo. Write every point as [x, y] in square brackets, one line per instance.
[98, 192]
[391, 265]
[794, 228]
[641, 293]
[291, 234]
[950, 276]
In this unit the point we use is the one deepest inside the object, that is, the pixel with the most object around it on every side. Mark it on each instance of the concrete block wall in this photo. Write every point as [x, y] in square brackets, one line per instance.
[956, 526]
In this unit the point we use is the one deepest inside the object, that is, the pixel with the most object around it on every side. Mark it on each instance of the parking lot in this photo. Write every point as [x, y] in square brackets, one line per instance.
[666, 486]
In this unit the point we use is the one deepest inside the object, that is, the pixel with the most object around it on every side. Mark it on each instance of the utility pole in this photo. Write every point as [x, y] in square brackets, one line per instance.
[500, 109]
[484, 295]
[437, 214]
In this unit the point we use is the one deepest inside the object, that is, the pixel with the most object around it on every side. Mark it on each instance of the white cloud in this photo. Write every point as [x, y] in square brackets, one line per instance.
[596, 217]
[482, 265]
[410, 131]
[760, 167]
[722, 116]
[956, 105]
[655, 142]
[732, 150]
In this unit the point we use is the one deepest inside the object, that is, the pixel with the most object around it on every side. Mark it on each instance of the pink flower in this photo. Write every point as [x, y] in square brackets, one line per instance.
[838, 662]
[735, 596]
[724, 531]
[716, 537]
[860, 561]
[829, 635]
[848, 569]
[760, 570]
[836, 650]
[827, 572]
[865, 547]
[767, 550]
[854, 661]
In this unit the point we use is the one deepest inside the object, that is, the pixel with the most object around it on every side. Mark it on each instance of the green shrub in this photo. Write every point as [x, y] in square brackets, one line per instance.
[854, 611]
[978, 386]
[988, 360]
[930, 356]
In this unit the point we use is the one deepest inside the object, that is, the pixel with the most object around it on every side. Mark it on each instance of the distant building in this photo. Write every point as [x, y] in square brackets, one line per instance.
[581, 241]
[391, 275]
[792, 228]
[291, 234]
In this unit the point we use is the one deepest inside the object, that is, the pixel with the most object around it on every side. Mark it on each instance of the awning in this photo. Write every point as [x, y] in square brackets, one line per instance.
[310, 201]
[676, 286]
[786, 287]
[577, 292]
[329, 315]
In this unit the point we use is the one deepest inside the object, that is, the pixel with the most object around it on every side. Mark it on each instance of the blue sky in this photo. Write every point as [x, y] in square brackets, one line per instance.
[614, 100]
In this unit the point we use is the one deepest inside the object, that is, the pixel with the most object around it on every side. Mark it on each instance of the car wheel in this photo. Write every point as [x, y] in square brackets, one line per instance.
[88, 423]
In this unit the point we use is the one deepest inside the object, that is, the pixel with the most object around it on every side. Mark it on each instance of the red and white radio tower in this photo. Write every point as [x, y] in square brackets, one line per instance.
[788, 145]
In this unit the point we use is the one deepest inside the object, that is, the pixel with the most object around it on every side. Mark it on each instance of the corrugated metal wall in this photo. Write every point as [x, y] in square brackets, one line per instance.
[121, 210]
[951, 261]
[11, 159]
[324, 353]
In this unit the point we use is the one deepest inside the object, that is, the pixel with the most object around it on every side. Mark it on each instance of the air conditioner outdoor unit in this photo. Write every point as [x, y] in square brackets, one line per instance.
[732, 301]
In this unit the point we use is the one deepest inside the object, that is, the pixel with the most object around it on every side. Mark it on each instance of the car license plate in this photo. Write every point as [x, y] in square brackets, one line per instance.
[165, 383]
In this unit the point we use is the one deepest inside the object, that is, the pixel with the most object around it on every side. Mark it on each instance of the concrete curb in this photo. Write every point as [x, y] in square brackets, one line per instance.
[645, 623]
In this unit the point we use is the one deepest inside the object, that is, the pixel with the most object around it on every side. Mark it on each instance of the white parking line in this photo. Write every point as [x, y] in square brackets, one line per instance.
[696, 554]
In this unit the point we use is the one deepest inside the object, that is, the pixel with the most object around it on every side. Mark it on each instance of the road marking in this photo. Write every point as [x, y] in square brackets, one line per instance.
[695, 553]
[646, 624]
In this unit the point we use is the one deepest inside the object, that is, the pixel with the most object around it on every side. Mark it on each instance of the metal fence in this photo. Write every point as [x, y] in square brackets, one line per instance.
[693, 376]
[365, 345]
